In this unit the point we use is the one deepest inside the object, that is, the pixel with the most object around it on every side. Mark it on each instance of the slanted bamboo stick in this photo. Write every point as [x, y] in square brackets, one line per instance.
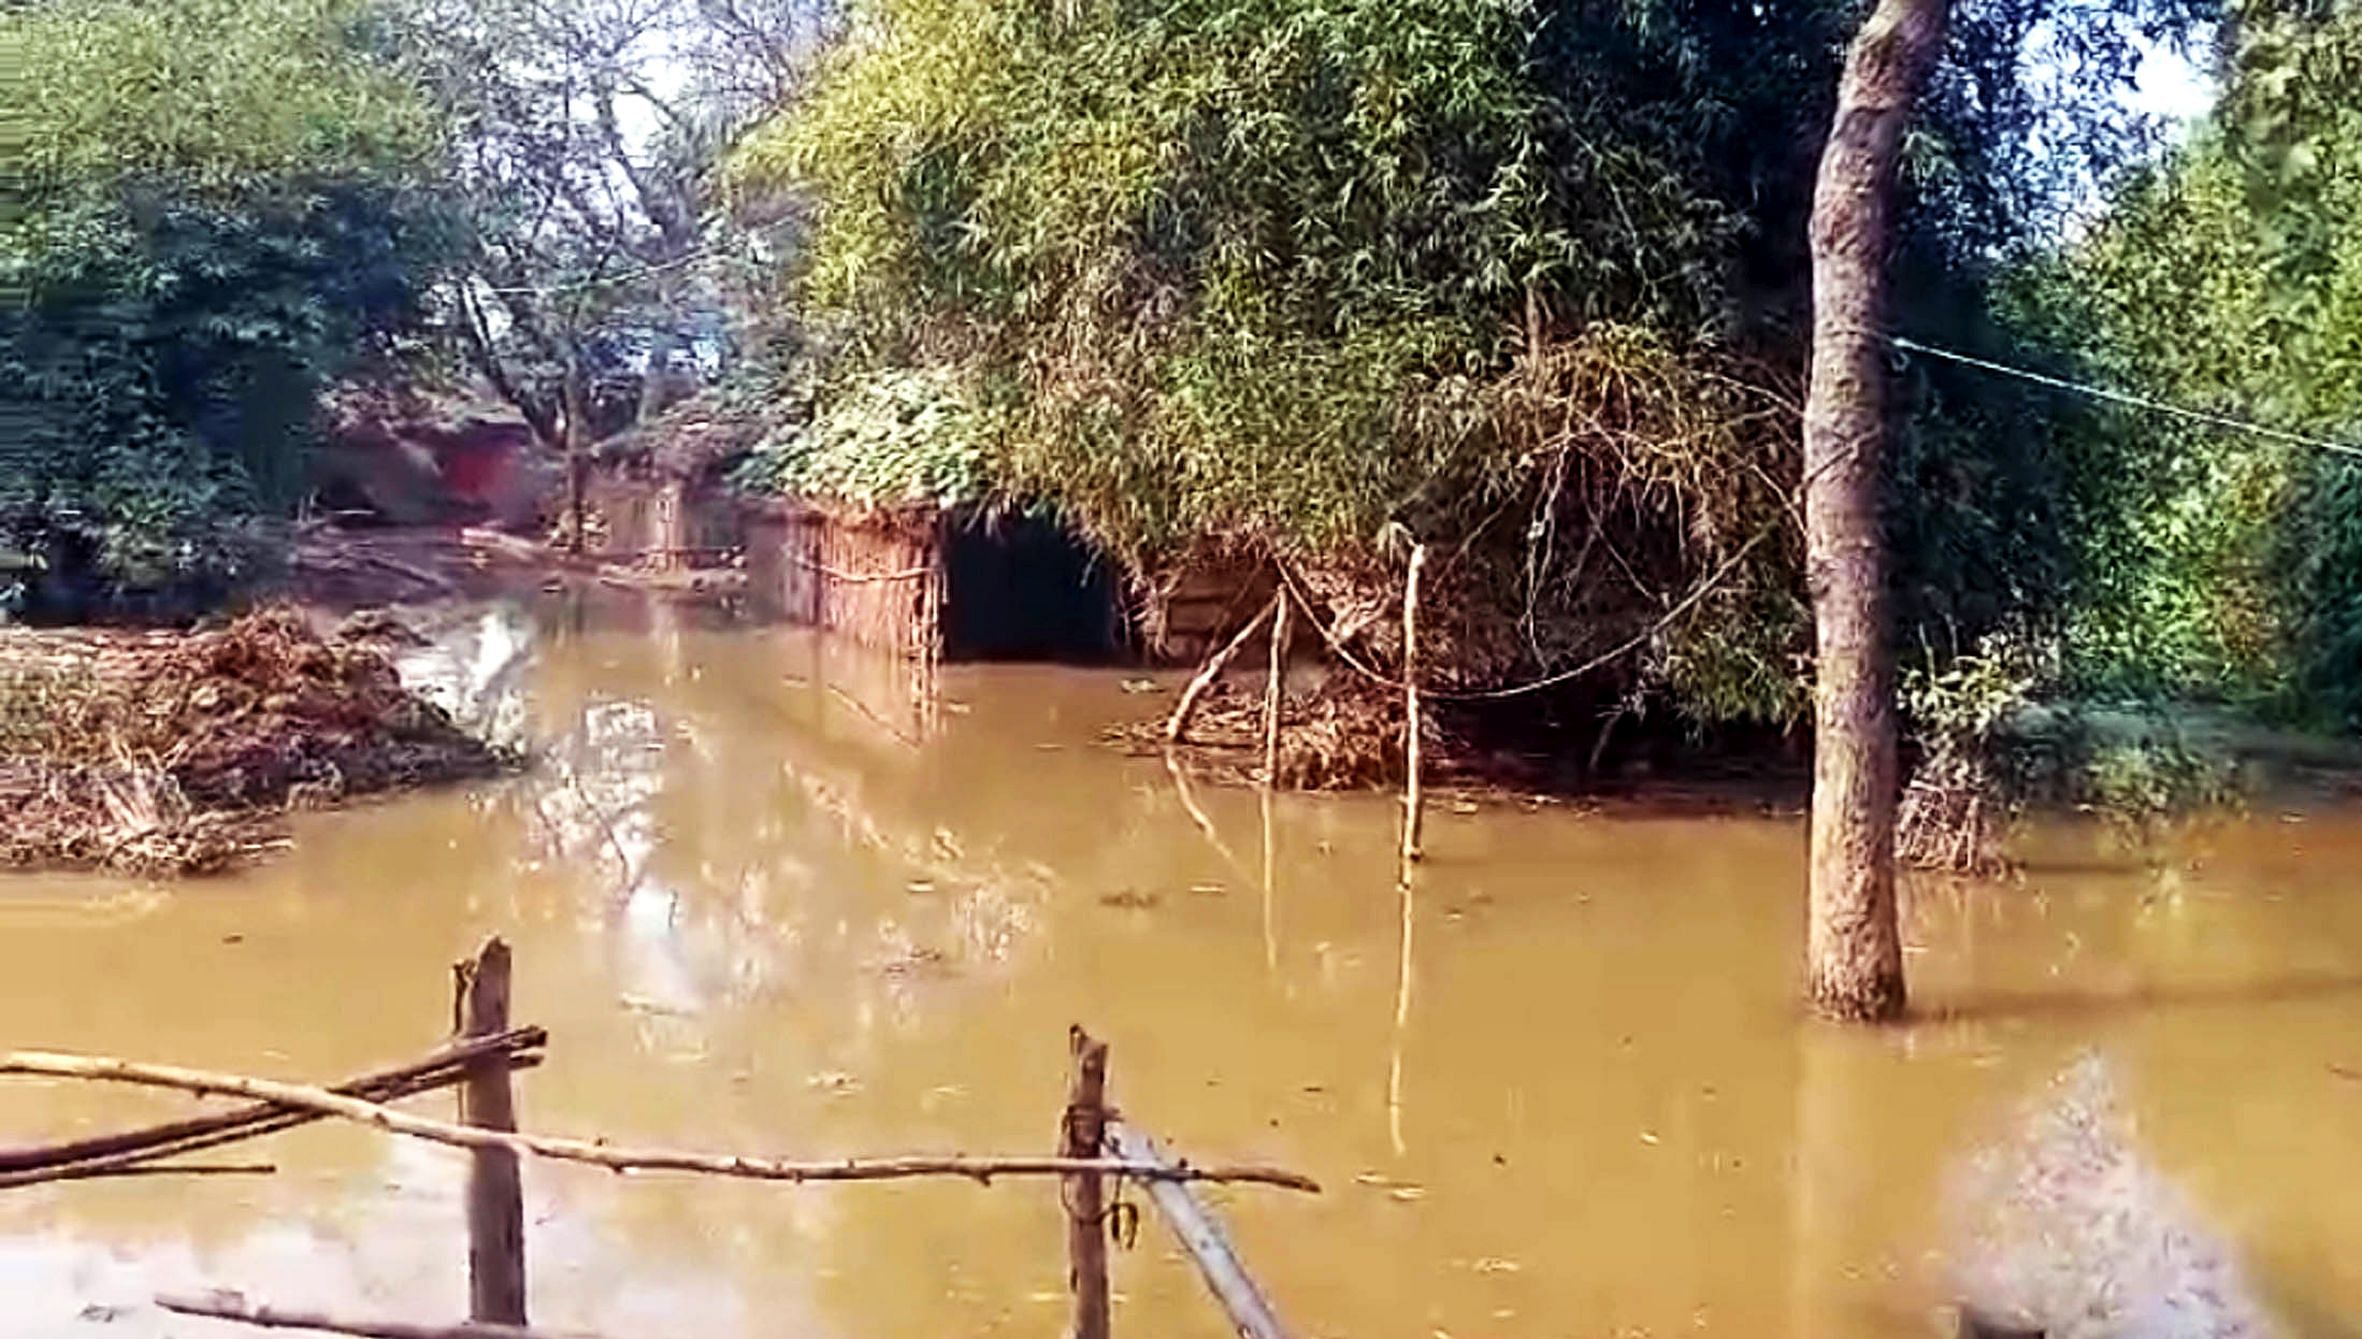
[620, 1159]
[1202, 1235]
[184, 1169]
[225, 1305]
[1178, 725]
[279, 1119]
[1275, 688]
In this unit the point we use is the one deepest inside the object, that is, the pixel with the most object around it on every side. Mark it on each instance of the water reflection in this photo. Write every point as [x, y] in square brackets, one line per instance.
[1557, 1085]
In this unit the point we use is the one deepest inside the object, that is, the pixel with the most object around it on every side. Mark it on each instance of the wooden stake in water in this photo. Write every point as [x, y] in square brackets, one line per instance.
[1275, 687]
[1081, 1133]
[1411, 804]
[495, 1195]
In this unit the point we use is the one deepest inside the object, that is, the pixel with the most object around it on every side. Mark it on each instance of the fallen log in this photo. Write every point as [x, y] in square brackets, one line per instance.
[222, 1304]
[622, 1159]
[1202, 1235]
[439, 1068]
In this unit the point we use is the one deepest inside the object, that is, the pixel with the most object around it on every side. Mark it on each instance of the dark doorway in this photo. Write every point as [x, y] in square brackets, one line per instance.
[1023, 588]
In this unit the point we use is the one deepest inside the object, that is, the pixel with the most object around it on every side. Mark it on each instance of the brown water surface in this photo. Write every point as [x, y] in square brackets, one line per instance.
[764, 906]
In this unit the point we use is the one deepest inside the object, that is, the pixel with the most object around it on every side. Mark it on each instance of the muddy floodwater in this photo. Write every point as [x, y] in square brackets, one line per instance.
[763, 904]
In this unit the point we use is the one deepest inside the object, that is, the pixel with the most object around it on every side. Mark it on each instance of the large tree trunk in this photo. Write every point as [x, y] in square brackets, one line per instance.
[576, 467]
[1856, 956]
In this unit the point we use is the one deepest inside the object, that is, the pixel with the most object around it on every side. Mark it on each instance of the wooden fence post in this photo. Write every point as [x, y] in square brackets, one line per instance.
[495, 1195]
[1081, 1132]
[1412, 808]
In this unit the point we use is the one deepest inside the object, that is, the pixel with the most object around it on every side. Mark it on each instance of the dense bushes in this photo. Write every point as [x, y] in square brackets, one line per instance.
[2220, 563]
[1523, 281]
[217, 206]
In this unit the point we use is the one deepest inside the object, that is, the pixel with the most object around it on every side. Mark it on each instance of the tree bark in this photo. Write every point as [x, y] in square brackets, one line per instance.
[576, 466]
[1855, 953]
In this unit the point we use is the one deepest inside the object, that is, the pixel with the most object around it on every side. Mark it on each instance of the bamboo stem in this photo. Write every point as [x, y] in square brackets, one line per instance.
[1199, 1231]
[1413, 809]
[280, 1119]
[981, 1169]
[436, 1069]
[1212, 670]
[222, 1304]
[184, 1169]
[1079, 1136]
[495, 1193]
[1274, 687]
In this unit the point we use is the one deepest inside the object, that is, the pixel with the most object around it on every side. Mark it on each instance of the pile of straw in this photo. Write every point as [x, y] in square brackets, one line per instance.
[174, 753]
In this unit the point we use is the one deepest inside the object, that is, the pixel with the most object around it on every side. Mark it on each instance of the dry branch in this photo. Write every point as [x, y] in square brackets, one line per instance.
[1212, 670]
[621, 1159]
[224, 1305]
[100, 1153]
[178, 1169]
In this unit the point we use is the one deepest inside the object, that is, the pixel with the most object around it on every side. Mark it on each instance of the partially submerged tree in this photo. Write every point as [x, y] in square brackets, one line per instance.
[1855, 951]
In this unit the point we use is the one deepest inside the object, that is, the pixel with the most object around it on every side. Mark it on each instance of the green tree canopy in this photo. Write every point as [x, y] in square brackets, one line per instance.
[2228, 279]
[1522, 278]
[216, 205]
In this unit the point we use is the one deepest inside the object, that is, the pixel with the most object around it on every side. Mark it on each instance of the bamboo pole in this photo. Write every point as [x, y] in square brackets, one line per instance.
[181, 1169]
[1412, 807]
[226, 1305]
[1274, 688]
[1085, 1193]
[89, 1156]
[488, 1100]
[1201, 1233]
[118, 1164]
[1178, 726]
[615, 1158]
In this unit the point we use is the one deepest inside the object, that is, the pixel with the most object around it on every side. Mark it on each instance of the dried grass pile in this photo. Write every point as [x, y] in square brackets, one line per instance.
[175, 753]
